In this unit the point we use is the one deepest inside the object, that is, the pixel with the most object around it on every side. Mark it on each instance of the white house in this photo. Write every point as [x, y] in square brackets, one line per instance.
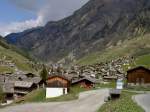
[56, 86]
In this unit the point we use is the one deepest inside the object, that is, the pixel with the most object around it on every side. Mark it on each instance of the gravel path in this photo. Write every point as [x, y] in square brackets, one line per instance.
[88, 102]
[144, 101]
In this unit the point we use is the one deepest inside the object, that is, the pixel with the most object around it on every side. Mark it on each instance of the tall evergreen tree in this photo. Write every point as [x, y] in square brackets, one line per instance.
[44, 74]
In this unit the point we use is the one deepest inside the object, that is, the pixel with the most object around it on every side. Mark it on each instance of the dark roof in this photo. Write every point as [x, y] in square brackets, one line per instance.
[30, 75]
[93, 80]
[139, 67]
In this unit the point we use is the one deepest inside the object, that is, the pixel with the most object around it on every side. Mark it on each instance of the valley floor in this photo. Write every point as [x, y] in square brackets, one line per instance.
[88, 101]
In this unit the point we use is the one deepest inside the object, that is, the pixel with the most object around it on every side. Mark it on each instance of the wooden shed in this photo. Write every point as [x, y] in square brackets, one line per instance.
[85, 82]
[57, 85]
[138, 75]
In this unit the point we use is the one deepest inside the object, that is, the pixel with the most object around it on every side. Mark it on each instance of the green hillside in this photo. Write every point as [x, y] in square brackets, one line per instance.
[138, 47]
[143, 60]
[9, 52]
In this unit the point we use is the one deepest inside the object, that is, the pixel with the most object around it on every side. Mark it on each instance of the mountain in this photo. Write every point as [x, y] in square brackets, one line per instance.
[9, 53]
[98, 25]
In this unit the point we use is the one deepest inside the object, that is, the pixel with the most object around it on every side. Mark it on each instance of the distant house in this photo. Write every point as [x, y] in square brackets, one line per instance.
[36, 80]
[22, 88]
[57, 85]
[138, 75]
[110, 78]
[85, 82]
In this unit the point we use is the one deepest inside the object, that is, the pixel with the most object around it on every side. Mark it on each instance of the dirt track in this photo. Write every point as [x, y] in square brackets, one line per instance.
[88, 102]
[144, 101]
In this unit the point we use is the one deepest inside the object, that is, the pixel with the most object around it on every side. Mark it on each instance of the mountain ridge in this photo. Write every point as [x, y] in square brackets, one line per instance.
[96, 26]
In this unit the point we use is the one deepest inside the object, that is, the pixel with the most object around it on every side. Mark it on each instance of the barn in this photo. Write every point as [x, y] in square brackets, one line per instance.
[85, 82]
[139, 75]
[57, 85]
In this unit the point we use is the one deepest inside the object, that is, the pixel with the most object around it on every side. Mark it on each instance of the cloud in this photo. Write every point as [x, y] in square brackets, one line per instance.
[46, 10]
[30, 5]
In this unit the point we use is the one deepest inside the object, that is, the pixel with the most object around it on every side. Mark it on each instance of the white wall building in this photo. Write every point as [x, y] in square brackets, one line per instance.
[57, 86]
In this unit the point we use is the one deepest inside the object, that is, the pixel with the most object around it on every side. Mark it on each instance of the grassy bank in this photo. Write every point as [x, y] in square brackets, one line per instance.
[124, 104]
[39, 96]
[4, 69]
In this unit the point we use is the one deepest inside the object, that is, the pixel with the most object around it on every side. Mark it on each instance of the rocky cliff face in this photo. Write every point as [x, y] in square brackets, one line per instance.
[97, 25]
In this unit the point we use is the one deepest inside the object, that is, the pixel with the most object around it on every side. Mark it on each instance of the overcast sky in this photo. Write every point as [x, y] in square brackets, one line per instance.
[18, 15]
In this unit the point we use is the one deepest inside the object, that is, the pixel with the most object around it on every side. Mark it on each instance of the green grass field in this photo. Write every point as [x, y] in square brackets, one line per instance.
[5, 69]
[123, 104]
[143, 60]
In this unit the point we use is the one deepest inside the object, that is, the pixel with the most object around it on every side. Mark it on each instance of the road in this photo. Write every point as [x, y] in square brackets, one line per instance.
[89, 101]
[144, 101]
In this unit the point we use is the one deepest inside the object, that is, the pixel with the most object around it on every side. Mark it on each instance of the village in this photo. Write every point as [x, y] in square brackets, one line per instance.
[59, 80]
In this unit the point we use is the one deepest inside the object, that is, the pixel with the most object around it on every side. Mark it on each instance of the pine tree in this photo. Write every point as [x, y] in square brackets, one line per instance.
[44, 74]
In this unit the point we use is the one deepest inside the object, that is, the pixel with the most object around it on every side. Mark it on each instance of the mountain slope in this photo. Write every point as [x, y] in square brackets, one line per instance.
[99, 24]
[138, 47]
[10, 53]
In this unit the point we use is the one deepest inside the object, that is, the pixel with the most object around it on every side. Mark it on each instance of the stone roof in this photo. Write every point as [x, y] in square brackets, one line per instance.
[23, 84]
[8, 88]
[35, 80]
[93, 80]
[2, 79]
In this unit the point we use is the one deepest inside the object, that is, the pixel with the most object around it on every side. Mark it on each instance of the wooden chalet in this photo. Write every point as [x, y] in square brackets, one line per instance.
[85, 82]
[57, 85]
[139, 75]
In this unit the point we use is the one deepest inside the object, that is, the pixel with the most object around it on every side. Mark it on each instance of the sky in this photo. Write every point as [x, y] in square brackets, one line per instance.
[19, 15]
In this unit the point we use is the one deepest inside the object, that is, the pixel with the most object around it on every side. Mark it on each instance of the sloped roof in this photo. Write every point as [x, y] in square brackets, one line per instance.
[23, 84]
[8, 88]
[93, 80]
[35, 80]
[139, 67]
[61, 76]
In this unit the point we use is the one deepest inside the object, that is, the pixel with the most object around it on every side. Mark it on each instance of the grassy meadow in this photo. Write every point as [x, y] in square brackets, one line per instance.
[123, 104]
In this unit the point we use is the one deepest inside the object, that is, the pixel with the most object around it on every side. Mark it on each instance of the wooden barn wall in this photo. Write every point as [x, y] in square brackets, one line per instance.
[57, 82]
[138, 74]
